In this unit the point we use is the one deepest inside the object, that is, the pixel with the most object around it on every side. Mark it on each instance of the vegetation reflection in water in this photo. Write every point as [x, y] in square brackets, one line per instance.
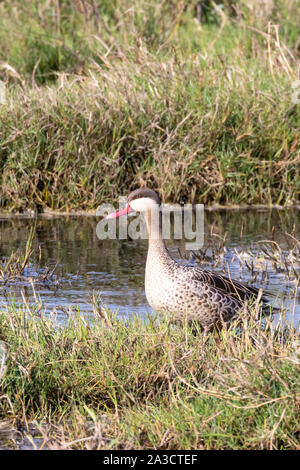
[68, 263]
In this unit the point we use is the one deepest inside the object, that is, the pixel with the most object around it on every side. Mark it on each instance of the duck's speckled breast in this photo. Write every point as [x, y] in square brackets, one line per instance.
[171, 289]
[159, 285]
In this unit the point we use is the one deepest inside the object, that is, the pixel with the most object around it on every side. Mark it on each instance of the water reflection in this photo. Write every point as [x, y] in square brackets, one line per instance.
[116, 267]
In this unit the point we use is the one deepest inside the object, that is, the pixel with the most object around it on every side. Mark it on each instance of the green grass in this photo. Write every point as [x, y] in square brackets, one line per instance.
[102, 100]
[150, 385]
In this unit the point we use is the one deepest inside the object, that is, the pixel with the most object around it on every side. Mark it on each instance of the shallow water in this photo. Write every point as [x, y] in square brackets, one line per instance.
[115, 268]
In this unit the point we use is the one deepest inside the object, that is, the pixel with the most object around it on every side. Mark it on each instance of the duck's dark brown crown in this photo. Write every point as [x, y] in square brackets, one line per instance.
[144, 192]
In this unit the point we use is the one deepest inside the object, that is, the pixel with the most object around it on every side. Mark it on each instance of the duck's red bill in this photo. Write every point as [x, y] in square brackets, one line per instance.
[116, 214]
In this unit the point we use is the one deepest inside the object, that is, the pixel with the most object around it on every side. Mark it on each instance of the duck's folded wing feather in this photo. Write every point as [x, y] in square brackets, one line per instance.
[225, 285]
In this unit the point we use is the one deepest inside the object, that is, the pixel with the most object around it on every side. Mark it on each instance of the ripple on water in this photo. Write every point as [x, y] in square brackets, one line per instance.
[115, 268]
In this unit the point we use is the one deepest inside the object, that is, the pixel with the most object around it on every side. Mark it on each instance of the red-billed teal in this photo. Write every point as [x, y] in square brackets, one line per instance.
[178, 290]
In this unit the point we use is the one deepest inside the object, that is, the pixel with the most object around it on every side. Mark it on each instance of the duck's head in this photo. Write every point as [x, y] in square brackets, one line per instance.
[140, 200]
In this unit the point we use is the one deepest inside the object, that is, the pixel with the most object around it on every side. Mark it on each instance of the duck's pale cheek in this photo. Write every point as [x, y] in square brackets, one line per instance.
[142, 204]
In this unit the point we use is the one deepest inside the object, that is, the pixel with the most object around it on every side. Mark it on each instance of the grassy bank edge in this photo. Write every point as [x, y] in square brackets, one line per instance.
[108, 384]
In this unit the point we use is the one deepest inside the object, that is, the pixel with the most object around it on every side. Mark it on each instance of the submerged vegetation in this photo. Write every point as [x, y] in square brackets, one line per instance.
[105, 96]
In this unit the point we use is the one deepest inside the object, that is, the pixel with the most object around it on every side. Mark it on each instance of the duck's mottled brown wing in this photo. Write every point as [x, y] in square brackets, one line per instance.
[234, 288]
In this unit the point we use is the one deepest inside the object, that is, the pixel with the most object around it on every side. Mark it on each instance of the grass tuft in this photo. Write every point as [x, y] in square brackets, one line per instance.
[150, 385]
[104, 97]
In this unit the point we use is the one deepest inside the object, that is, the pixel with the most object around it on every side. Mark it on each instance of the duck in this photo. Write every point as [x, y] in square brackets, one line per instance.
[182, 291]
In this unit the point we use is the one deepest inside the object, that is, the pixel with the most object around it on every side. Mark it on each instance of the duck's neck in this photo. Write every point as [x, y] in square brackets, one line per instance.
[156, 244]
